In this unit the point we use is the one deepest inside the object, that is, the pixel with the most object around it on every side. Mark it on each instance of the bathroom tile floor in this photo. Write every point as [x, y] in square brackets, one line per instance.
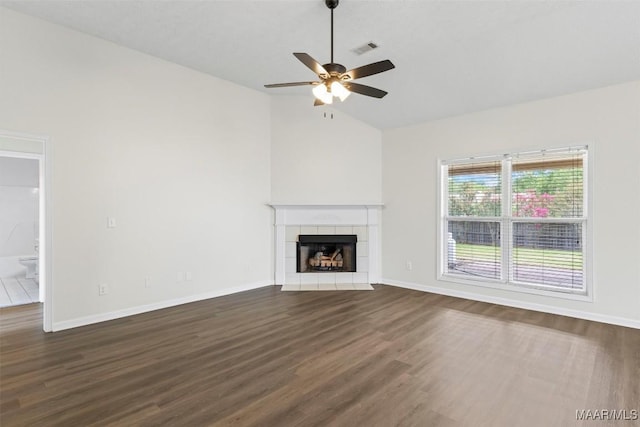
[18, 291]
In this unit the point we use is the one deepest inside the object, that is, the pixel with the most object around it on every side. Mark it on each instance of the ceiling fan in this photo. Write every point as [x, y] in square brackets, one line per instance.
[335, 80]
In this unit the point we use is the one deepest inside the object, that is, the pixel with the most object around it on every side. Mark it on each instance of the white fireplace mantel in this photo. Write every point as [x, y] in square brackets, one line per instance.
[323, 216]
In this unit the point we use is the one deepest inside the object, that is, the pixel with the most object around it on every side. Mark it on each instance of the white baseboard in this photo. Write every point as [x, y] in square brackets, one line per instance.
[103, 317]
[614, 320]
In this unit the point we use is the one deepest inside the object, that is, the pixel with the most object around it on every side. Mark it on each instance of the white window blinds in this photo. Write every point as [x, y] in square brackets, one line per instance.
[518, 218]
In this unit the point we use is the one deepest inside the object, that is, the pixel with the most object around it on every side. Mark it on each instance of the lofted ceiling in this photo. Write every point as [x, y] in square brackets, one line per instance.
[451, 57]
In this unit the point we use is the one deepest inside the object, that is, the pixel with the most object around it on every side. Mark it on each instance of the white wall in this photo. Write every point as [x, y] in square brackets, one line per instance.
[318, 160]
[179, 158]
[607, 119]
[18, 206]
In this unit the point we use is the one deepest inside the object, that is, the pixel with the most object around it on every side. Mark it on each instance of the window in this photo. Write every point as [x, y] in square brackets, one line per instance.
[517, 220]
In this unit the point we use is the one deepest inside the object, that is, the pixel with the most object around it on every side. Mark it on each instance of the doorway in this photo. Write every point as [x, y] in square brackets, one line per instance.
[25, 225]
[19, 229]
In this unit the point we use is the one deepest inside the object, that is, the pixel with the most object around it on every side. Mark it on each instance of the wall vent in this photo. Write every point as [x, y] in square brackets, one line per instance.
[365, 48]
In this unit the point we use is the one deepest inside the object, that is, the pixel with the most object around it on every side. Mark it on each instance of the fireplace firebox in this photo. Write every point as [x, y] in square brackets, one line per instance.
[317, 253]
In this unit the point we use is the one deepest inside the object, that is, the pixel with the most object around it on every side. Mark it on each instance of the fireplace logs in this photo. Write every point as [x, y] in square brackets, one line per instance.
[326, 253]
[328, 262]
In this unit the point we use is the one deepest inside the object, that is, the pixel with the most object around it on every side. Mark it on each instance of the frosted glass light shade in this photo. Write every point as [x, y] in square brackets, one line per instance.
[321, 92]
[340, 91]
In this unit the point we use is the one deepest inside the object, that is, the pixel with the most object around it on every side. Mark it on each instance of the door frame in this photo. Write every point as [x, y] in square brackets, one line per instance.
[45, 253]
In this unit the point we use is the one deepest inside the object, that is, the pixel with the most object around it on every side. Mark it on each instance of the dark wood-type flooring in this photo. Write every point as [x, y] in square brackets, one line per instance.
[269, 358]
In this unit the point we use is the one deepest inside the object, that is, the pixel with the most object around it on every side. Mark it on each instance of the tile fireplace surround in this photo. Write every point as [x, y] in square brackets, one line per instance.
[292, 220]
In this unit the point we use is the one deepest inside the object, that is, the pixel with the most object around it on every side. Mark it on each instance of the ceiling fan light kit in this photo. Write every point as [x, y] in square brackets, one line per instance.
[335, 80]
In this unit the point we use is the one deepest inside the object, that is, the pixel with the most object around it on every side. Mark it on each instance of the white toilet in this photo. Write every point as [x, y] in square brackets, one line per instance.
[31, 262]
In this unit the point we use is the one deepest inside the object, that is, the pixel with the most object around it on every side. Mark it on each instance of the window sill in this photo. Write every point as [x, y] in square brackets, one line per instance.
[574, 295]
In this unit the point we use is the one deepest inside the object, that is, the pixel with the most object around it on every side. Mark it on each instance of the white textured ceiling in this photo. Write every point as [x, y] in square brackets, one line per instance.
[451, 57]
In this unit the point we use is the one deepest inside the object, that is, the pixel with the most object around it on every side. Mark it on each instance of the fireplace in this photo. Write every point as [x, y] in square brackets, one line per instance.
[323, 253]
[293, 221]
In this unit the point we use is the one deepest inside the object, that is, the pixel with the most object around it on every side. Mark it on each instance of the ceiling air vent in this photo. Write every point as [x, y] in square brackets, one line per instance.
[364, 48]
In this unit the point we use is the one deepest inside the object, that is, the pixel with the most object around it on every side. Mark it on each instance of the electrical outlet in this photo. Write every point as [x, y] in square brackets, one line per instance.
[103, 289]
[409, 265]
[188, 276]
[147, 282]
[111, 222]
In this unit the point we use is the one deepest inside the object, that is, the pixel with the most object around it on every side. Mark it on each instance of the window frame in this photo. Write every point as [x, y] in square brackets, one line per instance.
[506, 221]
